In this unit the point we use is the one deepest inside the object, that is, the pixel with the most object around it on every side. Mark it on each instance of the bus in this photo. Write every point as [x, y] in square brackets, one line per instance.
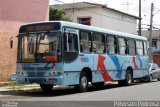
[64, 53]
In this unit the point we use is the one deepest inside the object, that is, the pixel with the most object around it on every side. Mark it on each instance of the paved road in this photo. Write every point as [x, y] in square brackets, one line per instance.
[110, 92]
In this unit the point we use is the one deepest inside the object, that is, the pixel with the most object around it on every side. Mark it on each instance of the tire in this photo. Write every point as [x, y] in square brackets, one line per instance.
[129, 78]
[158, 78]
[46, 88]
[83, 83]
[98, 84]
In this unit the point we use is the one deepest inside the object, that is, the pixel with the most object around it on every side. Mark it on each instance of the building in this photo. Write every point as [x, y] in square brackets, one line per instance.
[155, 39]
[100, 16]
[14, 13]
[155, 44]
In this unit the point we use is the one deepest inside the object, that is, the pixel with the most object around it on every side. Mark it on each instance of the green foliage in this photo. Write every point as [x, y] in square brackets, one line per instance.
[57, 14]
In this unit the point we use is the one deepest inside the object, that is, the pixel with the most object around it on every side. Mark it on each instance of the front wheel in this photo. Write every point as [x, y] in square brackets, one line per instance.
[46, 87]
[83, 82]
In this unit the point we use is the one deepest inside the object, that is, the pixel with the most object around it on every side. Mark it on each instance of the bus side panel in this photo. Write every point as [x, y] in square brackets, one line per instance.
[73, 69]
[113, 67]
[145, 65]
[109, 67]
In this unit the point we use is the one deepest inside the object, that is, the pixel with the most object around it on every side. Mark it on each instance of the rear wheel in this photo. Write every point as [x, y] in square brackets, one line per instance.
[129, 78]
[83, 82]
[46, 87]
[128, 81]
[158, 78]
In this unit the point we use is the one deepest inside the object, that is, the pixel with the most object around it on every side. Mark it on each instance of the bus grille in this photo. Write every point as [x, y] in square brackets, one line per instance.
[35, 74]
[35, 80]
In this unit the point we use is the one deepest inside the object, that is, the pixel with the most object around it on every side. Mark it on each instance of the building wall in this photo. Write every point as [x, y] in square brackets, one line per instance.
[105, 18]
[119, 22]
[96, 20]
[155, 38]
[14, 13]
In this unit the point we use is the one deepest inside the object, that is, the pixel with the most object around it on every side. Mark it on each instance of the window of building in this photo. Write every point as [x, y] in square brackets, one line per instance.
[98, 43]
[85, 21]
[154, 43]
[139, 47]
[110, 44]
[122, 46]
[85, 42]
[131, 47]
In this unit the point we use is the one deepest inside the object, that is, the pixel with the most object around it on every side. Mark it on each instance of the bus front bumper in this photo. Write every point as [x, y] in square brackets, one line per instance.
[57, 80]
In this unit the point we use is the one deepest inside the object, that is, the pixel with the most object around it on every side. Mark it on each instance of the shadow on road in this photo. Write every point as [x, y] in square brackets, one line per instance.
[60, 91]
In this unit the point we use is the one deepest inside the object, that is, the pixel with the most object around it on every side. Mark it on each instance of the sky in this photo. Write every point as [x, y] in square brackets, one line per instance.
[130, 7]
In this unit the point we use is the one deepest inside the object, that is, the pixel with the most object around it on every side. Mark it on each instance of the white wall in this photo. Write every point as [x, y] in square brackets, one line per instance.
[119, 22]
[105, 18]
[96, 20]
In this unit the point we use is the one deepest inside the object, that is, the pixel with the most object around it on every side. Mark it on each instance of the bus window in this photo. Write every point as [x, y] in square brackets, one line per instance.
[98, 43]
[131, 47]
[70, 42]
[139, 47]
[85, 42]
[110, 48]
[145, 47]
[70, 47]
[122, 46]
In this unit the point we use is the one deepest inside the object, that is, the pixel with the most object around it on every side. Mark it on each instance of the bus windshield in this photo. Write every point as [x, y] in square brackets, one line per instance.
[39, 47]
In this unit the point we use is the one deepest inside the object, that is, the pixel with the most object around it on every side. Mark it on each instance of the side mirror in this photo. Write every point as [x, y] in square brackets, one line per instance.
[11, 42]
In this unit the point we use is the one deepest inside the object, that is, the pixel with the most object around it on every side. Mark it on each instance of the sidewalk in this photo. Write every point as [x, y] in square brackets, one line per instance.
[11, 85]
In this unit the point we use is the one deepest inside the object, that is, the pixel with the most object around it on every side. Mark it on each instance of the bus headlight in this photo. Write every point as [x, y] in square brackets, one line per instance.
[21, 73]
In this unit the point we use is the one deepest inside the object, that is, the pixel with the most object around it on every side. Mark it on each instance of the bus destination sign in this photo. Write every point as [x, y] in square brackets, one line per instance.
[40, 27]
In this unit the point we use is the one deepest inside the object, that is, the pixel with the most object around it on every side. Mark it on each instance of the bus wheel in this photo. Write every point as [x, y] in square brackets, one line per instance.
[98, 84]
[46, 87]
[129, 78]
[83, 82]
[158, 78]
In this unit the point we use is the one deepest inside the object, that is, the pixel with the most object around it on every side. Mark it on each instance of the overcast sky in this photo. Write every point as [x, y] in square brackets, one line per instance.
[131, 8]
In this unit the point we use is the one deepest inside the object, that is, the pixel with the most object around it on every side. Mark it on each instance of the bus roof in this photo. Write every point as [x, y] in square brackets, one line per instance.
[92, 28]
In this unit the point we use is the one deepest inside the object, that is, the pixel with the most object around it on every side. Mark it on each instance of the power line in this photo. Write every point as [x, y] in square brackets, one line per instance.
[94, 12]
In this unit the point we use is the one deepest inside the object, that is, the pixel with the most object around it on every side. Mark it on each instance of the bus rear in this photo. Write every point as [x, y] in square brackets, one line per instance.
[39, 58]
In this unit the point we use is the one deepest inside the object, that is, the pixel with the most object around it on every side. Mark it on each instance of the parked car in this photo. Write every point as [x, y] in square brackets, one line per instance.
[154, 72]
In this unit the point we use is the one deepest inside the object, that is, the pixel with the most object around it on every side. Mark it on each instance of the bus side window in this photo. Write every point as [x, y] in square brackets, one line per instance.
[85, 42]
[139, 47]
[98, 43]
[131, 47]
[110, 48]
[122, 46]
[145, 47]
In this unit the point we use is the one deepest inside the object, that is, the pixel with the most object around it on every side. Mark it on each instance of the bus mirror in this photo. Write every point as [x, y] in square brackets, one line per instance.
[11, 42]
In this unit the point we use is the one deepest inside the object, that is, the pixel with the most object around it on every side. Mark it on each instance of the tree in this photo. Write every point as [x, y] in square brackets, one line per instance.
[57, 14]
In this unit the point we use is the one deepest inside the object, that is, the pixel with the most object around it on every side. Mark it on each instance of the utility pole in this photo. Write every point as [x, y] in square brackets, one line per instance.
[139, 26]
[150, 34]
